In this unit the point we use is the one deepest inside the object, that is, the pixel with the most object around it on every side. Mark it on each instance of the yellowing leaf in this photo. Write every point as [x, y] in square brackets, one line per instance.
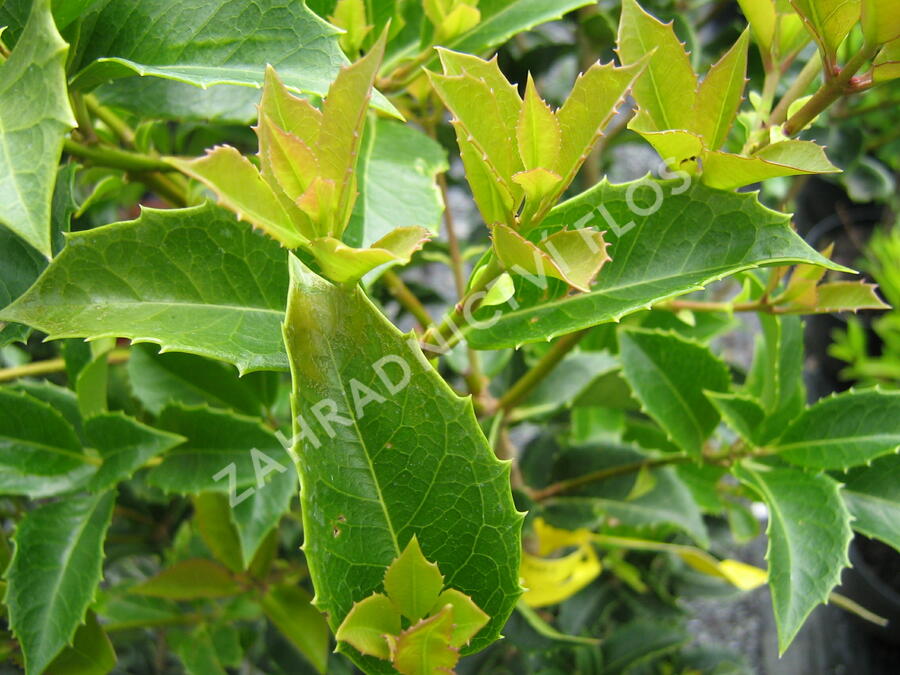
[719, 95]
[468, 618]
[552, 580]
[368, 624]
[743, 576]
[412, 582]
[424, 649]
[241, 189]
[537, 131]
[665, 90]
[552, 538]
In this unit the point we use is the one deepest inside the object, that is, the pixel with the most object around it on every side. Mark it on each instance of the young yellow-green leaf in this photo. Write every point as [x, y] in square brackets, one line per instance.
[34, 117]
[828, 21]
[665, 90]
[880, 21]
[572, 256]
[376, 468]
[190, 580]
[761, 16]
[287, 163]
[681, 150]
[54, 574]
[592, 103]
[666, 239]
[809, 531]
[872, 495]
[343, 118]
[537, 131]
[720, 94]
[240, 188]
[669, 375]
[886, 65]
[492, 195]
[124, 445]
[727, 171]
[551, 581]
[170, 288]
[294, 115]
[351, 16]
[343, 264]
[743, 413]
[412, 582]
[424, 648]
[367, 624]
[91, 652]
[846, 430]
[468, 618]
[840, 296]
[35, 441]
[289, 608]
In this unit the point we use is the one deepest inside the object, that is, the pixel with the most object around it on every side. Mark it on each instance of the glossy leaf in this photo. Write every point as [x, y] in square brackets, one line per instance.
[32, 134]
[289, 608]
[54, 574]
[537, 131]
[872, 495]
[700, 235]
[160, 279]
[844, 431]
[828, 21]
[124, 445]
[223, 452]
[720, 94]
[35, 441]
[809, 531]
[207, 43]
[669, 376]
[377, 401]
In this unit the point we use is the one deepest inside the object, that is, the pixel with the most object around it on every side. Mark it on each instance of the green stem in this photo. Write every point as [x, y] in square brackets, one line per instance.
[832, 89]
[797, 89]
[115, 123]
[83, 118]
[116, 158]
[555, 489]
[52, 366]
[406, 298]
[526, 384]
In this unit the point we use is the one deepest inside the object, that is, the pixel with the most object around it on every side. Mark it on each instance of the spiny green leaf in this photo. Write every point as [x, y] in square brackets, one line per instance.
[839, 296]
[743, 413]
[720, 94]
[189, 580]
[161, 278]
[220, 448]
[124, 445]
[844, 431]
[34, 117]
[20, 265]
[809, 531]
[54, 574]
[683, 240]
[412, 582]
[343, 264]
[424, 648]
[665, 91]
[727, 171]
[376, 401]
[35, 441]
[207, 43]
[368, 623]
[289, 608]
[669, 375]
[872, 495]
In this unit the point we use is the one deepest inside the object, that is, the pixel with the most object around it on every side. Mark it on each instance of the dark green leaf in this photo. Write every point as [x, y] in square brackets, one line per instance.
[809, 531]
[872, 495]
[290, 609]
[189, 580]
[196, 651]
[412, 453]
[692, 238]
[192, 280]
[54, 574]
[669, 376]
[20, 265]
[844, 431]
[91, 652]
